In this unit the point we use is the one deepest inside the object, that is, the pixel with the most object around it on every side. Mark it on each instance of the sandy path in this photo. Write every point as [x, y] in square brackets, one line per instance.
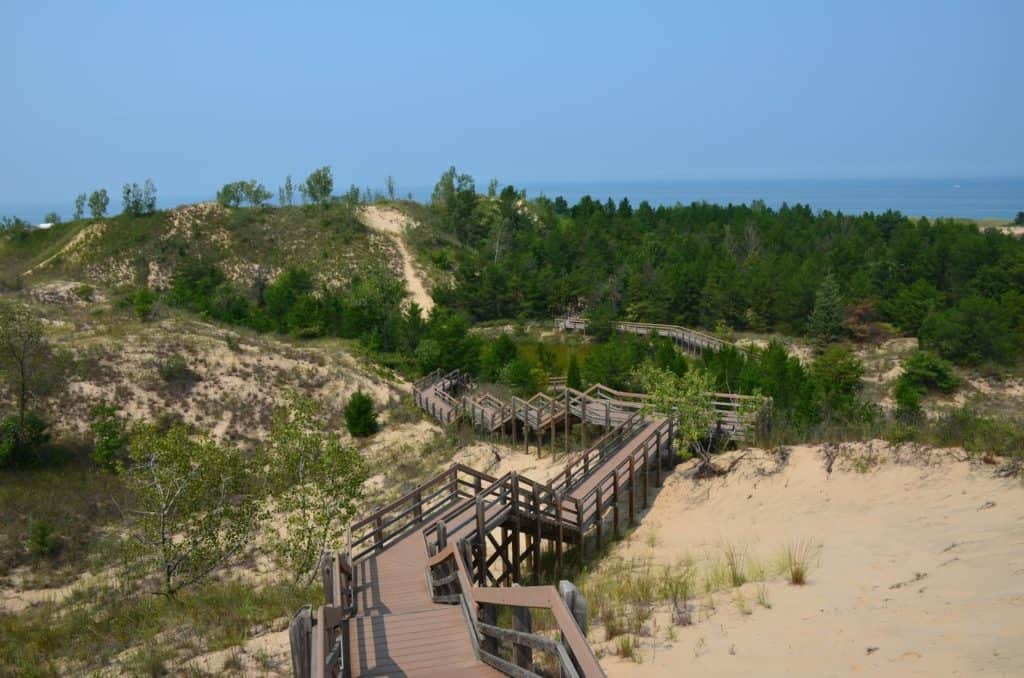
[392, 222]
[921, 570]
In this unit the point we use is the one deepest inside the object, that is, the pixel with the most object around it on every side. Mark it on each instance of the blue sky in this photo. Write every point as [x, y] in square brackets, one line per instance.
[197, 94]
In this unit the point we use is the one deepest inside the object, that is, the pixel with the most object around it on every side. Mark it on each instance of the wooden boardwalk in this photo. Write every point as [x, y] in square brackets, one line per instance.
[417, 588]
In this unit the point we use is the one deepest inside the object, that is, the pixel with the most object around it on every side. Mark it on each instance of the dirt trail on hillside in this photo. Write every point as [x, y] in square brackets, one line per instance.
[921, 568]
[393, 222]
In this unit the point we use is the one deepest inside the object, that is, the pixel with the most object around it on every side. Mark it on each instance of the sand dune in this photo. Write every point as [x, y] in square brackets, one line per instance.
[392, 222]
[921, 567]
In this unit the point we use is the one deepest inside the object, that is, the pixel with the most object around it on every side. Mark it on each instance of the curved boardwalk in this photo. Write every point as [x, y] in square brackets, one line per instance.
[418, 588]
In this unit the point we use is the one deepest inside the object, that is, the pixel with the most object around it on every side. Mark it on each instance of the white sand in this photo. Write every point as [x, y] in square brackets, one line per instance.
[921, 570]
[393, 222]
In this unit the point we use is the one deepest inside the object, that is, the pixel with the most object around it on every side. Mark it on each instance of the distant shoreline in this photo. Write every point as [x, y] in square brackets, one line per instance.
[991, 200]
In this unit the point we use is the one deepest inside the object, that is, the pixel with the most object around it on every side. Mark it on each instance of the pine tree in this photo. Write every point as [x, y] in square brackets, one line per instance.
[826, 321]
[360, 418]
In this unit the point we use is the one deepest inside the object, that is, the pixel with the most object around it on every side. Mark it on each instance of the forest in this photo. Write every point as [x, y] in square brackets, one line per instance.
[958, 289]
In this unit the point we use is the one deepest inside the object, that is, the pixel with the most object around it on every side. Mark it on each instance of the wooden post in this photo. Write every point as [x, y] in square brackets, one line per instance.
[615, 502]
[583, 422]
[646, 474]
[607, 416]
[559, 537]
[378, 532]
[567, 419]
[579, 527]
[660, 457]
[417, 511]
[522, 655]
[632, 492]
[551, 425]
[599, 517]
[516, 555]
[481, 540]
[536, 537]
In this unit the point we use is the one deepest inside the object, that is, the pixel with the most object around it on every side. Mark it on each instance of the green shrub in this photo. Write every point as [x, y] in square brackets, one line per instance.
[175, 369]
[360, 419]
[20, 442]
[110, 439]
[84, 292]
[42, 541]
[927, 371]
[142, 303]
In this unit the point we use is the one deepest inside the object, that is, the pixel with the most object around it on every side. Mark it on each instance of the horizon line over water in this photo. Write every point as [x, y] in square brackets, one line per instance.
[999, 198]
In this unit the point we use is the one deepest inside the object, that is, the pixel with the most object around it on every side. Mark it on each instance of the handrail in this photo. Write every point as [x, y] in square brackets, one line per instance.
[582, 656]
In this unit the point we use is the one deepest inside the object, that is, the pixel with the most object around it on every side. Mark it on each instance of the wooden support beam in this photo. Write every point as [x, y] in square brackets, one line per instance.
[599, 516]
[566, 421]
[517, 574]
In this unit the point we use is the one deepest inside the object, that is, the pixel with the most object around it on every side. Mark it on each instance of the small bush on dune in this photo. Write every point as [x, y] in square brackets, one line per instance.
[360, 419]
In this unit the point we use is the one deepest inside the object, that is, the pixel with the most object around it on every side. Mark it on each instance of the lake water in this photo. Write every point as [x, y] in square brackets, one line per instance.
[973, 198]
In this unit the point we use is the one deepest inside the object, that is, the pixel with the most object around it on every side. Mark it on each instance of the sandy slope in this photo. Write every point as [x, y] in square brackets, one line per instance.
[921, 570]
[392, 222]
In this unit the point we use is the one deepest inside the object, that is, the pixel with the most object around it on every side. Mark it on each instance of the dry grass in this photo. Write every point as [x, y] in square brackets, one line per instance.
[798, 559]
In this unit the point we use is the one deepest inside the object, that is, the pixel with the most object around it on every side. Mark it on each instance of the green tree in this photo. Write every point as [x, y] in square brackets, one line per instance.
[110, 436]
[286, 194]
[237, 192]
[826, 321]
[51, 218]
[1019, 220]
[317, 483]
[837, 373]
[98, 202]
[360, 418]
[30, 370]
[318, 186]
[688, 400]
[390, 185]
[572, 375]
[199, 505]
[139, 201]
[80, 201]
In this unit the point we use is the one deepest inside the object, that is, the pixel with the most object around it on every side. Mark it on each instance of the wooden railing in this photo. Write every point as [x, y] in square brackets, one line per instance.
[692, 341]
[451, 582]
[385, 525]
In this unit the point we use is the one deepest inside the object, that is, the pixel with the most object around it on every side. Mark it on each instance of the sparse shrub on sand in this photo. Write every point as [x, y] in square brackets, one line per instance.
[798, 559]
[762, 596]
[360, 419]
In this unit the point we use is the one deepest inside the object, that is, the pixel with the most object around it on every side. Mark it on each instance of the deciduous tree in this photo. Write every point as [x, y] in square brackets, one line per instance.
[316, 482]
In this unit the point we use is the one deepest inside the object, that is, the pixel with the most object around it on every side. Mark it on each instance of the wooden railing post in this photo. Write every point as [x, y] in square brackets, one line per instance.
[378, 532]
[660, 456]
[560, 535]
[598, 516]
[646, 473]
[417, 511]
[481, 542]
[615, 503]
[566, 415]
[536, 536]
[579, 526]
[490, 616]
[632, 492]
